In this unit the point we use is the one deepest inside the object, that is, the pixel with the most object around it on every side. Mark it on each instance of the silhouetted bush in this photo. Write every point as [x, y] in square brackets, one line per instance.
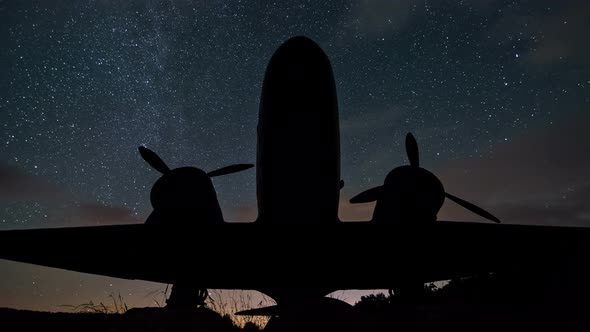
[490, 302]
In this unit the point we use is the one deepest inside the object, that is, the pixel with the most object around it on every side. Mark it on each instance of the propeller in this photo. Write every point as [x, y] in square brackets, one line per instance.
[159, 165]
[367, 196]
[412, 150]
[229, 169]
[472, 207]
[153, 160]
[375, 193]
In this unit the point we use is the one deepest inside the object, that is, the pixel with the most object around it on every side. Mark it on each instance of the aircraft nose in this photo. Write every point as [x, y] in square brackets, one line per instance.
[299, 44]
[299, 79]
[299, 52]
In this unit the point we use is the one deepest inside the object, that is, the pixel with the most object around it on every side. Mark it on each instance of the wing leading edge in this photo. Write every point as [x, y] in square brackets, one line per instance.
[381, 254]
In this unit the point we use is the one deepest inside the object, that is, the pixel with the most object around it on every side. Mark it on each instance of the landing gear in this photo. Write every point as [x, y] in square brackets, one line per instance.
[408, 291]
[185, 296]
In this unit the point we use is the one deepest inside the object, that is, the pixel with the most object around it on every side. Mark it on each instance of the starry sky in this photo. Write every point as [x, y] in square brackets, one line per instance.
[496, 92]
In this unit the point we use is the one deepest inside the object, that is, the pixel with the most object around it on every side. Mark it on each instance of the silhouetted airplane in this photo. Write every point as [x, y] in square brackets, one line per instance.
[297, 249]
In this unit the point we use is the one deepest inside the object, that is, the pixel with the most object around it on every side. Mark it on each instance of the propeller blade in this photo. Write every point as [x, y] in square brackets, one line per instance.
[369, 195]
[412, 150]
[153, 160]
[230, 169]
[472, 207]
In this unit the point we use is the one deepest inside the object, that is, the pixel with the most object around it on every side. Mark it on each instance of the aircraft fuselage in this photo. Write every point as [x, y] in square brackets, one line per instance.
[298, 152]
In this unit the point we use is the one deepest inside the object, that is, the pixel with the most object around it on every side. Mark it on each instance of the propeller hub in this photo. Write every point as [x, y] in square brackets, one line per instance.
[182, 188]
[410, 193]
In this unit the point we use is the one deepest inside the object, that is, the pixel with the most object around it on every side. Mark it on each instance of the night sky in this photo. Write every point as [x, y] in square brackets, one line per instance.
[496, 93]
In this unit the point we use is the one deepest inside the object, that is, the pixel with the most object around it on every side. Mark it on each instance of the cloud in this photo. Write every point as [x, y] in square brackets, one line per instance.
[556, 35]
[18, 185]
[59, 206]
[354, 212]
[98, 214]
[538, 177]
[563, 36]
[241, 214]
[573, 208]
[542, 177]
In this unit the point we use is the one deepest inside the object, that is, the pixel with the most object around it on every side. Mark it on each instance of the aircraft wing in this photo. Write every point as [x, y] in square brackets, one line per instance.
[350, 255]
[115, 251]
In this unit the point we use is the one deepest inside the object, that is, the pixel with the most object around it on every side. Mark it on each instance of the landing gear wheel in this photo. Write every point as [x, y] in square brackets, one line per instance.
[185, 296]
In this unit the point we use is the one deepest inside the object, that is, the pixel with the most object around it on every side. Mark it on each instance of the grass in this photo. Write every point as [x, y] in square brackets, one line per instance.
[228, 302]
[117, 306]
[225, 302]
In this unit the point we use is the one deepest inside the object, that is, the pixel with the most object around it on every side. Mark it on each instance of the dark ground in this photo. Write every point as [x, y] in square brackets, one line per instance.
[488, 303]
[147, 319]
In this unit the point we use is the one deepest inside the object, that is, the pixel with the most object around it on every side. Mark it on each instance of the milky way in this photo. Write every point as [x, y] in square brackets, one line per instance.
[83, 84]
